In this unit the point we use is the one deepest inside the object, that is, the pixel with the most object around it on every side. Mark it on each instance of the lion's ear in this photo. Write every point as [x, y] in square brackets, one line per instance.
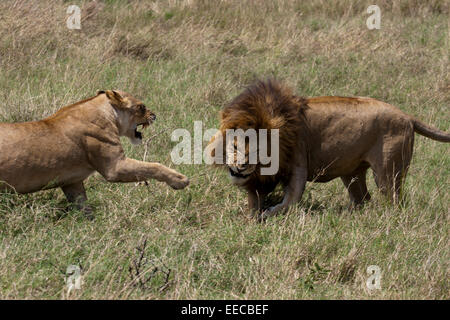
[100, 92]
[114, 98]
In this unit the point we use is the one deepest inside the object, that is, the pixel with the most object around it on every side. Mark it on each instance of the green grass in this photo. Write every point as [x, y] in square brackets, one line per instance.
[185, 59]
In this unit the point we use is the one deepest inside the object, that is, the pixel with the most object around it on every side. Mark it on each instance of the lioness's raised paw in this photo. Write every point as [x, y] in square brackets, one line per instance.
[178, 181]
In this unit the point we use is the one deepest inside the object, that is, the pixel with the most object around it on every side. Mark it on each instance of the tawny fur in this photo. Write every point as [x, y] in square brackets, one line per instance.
[323, 138]
[65, 148]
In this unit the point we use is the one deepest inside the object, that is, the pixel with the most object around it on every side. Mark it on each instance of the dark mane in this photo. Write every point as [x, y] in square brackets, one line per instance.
[261, 103]
[268, 105]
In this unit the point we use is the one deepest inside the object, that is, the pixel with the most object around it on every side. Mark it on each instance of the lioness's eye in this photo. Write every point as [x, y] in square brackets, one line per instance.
[140, 107]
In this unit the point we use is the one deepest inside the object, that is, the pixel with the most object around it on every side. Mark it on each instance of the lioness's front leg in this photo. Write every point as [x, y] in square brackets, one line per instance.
[292, 192]
[130, 170]
[110, 161]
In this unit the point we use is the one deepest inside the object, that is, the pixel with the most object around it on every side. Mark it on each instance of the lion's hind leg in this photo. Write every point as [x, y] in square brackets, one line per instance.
[391, 167]
[357, 188]
[390, 181]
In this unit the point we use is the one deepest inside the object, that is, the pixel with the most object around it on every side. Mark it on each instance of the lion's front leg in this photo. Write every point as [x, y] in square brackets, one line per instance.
[292, 193]
[255, 201]
[130, 170]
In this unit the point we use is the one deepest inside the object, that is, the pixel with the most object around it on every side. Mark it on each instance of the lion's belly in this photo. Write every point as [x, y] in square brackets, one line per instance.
[340, 139]
[329, 164]
[327, 174]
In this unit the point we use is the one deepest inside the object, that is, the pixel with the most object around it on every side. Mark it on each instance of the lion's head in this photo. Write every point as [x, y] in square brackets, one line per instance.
[263, 105]
[131, 113]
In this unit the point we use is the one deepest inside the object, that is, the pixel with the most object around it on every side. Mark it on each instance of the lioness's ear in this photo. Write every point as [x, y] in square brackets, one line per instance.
[114, 98]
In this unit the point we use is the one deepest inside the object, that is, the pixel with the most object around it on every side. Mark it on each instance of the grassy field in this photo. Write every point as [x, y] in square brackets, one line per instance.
[186, 59]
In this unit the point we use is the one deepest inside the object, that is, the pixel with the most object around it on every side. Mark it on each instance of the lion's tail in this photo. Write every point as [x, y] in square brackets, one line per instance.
[430, 132]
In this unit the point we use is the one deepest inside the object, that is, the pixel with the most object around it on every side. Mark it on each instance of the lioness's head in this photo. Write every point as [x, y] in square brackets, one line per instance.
[131, 113]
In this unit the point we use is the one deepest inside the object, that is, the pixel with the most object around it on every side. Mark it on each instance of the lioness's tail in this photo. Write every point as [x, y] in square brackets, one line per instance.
[430, 132]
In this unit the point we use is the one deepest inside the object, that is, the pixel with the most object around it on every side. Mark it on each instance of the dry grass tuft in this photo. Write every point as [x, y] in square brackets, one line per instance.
[346, 270]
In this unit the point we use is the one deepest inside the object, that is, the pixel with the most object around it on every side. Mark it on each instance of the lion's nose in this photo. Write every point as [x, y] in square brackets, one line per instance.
[152, 116]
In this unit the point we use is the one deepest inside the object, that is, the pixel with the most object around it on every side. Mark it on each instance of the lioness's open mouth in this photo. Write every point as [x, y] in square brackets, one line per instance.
[137, 133]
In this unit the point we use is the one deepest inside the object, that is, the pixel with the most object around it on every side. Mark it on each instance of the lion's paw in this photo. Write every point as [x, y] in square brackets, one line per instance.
[269, 212]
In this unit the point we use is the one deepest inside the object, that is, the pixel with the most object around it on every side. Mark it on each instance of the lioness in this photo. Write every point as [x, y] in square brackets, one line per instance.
[320, 139]
[67, 147]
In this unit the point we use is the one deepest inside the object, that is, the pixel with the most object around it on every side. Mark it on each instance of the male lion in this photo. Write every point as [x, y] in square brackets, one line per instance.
[320, 139]
[65, 148]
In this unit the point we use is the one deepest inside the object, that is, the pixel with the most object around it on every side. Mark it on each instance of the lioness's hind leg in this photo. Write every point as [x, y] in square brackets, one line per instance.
[76, 195]
[357, 188]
